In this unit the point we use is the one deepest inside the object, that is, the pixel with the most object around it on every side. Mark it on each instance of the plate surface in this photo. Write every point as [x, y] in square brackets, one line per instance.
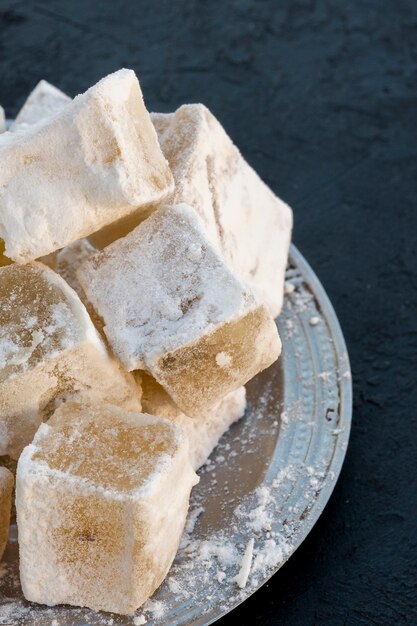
[264, 487]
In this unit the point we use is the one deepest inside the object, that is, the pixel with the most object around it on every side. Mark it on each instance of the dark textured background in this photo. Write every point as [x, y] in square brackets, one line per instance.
[321, 97]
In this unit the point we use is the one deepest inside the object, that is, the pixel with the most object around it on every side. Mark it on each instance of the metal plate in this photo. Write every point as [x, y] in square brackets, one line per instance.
[268, 480]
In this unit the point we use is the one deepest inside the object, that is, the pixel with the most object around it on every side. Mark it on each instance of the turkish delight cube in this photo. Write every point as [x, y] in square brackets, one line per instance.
[101, 497]
[172, 307]
[93, 163]
[48, 348]
[243, 217]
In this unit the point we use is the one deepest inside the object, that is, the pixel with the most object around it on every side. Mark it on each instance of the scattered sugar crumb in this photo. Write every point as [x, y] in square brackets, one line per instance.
[284, 417]
[271, 555]
[314, 320]
[174, 585]
[245, 565]
[224, 552]
[223, 359]
[193, 517]
[288, 287]
[155, 607]
[139, 620]
[325, 376]
[290, 328]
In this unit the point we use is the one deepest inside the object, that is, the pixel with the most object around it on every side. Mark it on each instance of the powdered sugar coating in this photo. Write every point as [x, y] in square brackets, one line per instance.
[244, 219]
[96, 161]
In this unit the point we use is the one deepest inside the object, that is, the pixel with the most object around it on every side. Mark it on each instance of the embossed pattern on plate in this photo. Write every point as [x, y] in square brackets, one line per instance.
[268, 480]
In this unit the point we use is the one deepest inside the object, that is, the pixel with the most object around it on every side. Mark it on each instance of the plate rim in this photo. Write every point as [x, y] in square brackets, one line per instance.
[344, 383]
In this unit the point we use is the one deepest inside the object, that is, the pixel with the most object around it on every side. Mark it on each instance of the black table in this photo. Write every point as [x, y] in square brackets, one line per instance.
[321, 98]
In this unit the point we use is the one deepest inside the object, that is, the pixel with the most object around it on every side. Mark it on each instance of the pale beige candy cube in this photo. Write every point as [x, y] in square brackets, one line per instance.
[43, 102]
[101, 498]
[243, 217]
[49, 348]
[171, 306]
[95, 162]
[203, 432]
[6, 490]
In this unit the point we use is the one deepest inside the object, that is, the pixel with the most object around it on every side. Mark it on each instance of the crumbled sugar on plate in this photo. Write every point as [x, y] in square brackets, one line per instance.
[155, 608]
[245, 565]
[220, 576]
[178, 304]
[325, 376]
[288, 287]
[290, 328]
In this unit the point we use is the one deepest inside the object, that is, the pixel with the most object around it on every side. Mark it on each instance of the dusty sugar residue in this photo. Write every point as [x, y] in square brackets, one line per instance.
[245, 565]
[288, 287]
[223, 359]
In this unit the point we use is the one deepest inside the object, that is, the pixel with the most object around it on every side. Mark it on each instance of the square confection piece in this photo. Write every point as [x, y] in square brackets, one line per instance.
[96, 161]
[101, 498]
[43, 102]
[6, 489]
[48, 348]
[204, 432]
[172, 307]
[243, 217]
